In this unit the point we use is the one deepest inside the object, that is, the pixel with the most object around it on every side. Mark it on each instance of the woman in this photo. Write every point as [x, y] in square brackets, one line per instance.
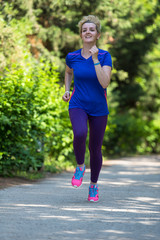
[92, 72]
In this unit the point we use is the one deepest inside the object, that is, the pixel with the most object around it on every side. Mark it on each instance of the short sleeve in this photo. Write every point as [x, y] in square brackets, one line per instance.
[68, 62]
[107, 61]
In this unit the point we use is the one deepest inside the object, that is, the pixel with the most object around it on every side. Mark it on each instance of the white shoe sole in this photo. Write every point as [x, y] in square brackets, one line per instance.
[75, 186]
[93, 201]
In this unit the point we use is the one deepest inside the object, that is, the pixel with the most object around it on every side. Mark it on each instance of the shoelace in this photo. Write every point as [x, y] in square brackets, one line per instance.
[92, 191]
[78, 173]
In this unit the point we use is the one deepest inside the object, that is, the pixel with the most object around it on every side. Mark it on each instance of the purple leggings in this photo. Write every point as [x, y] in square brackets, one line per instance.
[97, 126]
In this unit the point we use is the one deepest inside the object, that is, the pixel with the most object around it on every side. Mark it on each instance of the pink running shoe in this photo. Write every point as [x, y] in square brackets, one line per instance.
[93, 193]
[78, 176]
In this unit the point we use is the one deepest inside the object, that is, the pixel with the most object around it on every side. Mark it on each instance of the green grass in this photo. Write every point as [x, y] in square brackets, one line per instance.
[30, 175]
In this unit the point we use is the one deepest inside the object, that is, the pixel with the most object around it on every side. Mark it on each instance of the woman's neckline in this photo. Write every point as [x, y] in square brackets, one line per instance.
[84, 57]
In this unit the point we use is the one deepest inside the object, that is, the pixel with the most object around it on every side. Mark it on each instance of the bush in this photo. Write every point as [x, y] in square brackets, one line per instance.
[32, 116]
[128, 134]
[150, 140]
[34, 120]
[123, 134]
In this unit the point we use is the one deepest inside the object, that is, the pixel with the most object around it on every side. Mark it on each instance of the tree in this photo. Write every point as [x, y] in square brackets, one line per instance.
[130, 32]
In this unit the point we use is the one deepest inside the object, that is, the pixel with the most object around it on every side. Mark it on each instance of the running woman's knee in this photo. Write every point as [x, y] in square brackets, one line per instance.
[95, 150]
[80, 135]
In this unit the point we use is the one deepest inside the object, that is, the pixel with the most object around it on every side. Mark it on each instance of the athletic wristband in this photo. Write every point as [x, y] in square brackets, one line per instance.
[96, 63]
[67, 91]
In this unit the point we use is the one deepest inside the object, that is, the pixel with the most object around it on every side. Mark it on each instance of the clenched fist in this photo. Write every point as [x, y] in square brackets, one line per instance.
[66, 96]
[94, 52]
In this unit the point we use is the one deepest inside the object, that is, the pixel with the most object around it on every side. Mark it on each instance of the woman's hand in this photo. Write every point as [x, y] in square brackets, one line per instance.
[94, 52]
[68, 80]
[66, 96]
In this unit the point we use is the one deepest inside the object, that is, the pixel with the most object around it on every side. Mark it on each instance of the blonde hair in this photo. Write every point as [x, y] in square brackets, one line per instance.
[90, 19]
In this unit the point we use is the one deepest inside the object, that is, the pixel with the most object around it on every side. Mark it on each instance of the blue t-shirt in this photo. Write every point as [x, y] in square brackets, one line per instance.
[88, 94]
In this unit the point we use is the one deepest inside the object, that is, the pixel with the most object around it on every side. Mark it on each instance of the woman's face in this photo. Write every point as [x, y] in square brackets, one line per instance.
[89, 33]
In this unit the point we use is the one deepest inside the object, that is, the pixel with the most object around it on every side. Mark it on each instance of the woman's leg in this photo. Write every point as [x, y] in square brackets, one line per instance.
[79, 119]
[97, 126]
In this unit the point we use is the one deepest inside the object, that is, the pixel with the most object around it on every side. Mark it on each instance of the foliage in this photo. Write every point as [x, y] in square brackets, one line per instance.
[33, 119]
[131, 134]
[35, 37]
[135, 87]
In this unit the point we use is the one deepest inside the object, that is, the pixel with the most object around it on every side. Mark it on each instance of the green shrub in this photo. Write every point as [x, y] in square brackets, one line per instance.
[129, 134]
[150, 140]
[123, 134]
[34, 121]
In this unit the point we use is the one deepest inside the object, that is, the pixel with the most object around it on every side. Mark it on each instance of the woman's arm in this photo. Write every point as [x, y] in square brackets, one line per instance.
[68, 80]
[103, 73]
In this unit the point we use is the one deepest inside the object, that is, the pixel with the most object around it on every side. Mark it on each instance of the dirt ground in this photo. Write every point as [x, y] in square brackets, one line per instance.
[9, 182]
[6, 182]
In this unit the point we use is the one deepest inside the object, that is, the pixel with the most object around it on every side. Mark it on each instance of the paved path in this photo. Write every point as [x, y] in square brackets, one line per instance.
[129, 206]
